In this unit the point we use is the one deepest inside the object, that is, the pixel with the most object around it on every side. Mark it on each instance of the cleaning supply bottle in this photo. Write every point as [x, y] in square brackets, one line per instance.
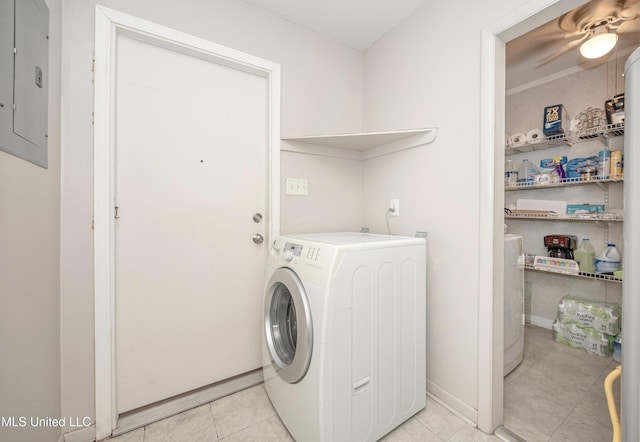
[558, 174]
[510, 174]
[609, 260]
[527, 172]
[585, 256]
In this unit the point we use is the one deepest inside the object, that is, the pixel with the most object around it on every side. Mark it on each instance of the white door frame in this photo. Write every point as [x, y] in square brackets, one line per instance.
[530, 15]
[108, 25]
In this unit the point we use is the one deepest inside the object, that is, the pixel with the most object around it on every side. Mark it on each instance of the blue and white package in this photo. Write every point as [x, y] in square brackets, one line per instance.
[576, 165]
[555, 120]
[547, 165]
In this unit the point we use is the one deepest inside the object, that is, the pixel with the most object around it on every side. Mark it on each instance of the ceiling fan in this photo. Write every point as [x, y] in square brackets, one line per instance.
[594, 26]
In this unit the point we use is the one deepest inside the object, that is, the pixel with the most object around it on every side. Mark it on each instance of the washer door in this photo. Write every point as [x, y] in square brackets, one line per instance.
[287, 324]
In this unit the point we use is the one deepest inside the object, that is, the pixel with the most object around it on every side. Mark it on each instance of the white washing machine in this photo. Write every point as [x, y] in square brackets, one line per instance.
[513, 302]
[344, 334]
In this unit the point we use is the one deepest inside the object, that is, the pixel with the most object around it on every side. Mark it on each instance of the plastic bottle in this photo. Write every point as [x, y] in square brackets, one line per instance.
[616, 165]
[604, 163]
[527, 172]
[609, 260]
[585, 256]
[510, 174]
[617, 349]
[558, 173]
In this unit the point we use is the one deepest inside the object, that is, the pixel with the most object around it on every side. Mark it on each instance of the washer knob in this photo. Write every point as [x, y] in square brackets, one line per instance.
[288, 255]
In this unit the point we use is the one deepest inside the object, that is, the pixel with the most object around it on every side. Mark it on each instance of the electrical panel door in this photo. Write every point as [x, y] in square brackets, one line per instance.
[24, 48]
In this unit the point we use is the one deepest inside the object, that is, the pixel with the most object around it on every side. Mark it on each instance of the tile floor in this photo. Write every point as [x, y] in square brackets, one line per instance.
[557, 393]
[248, 416]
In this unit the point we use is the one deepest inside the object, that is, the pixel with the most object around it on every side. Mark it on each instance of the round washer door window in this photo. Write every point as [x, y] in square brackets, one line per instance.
[288, 327]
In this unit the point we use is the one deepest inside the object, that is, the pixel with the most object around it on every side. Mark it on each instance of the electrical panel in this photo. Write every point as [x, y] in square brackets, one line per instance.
[24, 74]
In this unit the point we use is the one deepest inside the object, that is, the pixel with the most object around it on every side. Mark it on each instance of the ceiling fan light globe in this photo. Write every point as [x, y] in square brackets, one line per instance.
[598, 45]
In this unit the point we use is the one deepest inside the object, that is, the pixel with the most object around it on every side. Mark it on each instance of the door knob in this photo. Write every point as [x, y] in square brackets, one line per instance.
[257, 238]
[257, 217]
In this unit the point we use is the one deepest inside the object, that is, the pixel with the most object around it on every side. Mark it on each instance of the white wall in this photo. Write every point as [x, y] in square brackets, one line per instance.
[29, 278]
[335, 194]
[417, 76]
[321, 93]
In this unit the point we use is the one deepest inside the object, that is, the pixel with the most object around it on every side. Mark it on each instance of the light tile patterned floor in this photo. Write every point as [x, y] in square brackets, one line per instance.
[248, 416]
[557, 393]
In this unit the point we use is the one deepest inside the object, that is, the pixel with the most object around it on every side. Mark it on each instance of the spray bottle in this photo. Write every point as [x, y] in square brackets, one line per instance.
[558, 174]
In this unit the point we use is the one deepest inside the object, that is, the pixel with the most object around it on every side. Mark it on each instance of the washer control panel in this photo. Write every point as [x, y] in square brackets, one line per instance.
[306, 252]
[296, 249]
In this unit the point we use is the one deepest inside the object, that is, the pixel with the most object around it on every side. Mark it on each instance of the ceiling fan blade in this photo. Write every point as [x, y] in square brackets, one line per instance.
[621, 24]
[562, 50]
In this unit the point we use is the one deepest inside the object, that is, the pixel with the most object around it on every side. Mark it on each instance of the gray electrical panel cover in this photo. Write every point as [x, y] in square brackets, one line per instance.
[24, 72]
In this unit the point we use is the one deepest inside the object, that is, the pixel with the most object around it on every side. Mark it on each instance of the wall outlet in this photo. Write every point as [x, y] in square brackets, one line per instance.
[394, 207]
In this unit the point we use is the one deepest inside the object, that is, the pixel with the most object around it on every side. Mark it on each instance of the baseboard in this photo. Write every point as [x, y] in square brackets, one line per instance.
[186, 402]
[541, 322]
[452, 403]
[85, 434]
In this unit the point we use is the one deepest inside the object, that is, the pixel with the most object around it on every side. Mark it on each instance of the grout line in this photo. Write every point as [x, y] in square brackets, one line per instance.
[213, 421]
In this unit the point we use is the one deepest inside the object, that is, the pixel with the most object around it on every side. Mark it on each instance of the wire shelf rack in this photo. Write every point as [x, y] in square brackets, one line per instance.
[568, 139]
[577, 181]
[608, 217]
[597, 276]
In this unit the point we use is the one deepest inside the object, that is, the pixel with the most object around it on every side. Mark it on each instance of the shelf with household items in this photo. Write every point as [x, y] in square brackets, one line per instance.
[568, 138]
[553, 216]
[576, 181]
[593, 276]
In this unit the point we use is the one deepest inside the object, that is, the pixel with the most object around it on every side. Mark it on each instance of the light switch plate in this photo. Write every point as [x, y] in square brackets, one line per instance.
[297, 186]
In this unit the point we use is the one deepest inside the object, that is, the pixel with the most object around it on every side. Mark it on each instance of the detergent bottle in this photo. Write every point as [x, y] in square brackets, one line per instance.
[609, 260]
[585, 256]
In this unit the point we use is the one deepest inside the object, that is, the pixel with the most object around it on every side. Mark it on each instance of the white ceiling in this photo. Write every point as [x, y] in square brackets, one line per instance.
[355, 23]
[359, 23]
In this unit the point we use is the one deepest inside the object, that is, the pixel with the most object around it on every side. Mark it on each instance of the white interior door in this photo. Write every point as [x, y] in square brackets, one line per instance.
[191, 170]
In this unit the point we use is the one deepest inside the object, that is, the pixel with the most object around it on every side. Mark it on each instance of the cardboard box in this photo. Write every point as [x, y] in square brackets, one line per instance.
[555, 120]
[614, 109]
[584, 208]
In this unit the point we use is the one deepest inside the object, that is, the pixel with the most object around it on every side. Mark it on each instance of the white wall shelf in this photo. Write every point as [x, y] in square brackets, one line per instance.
[360, 146]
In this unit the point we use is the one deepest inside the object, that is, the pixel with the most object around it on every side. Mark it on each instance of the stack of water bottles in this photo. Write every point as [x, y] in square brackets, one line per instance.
[587, 324]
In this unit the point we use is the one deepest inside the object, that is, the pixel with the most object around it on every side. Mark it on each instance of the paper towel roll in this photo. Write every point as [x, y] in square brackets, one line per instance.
[534, 136]
[518, 138]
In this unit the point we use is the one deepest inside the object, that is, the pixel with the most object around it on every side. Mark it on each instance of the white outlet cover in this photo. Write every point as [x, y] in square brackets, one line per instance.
[297, 186]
